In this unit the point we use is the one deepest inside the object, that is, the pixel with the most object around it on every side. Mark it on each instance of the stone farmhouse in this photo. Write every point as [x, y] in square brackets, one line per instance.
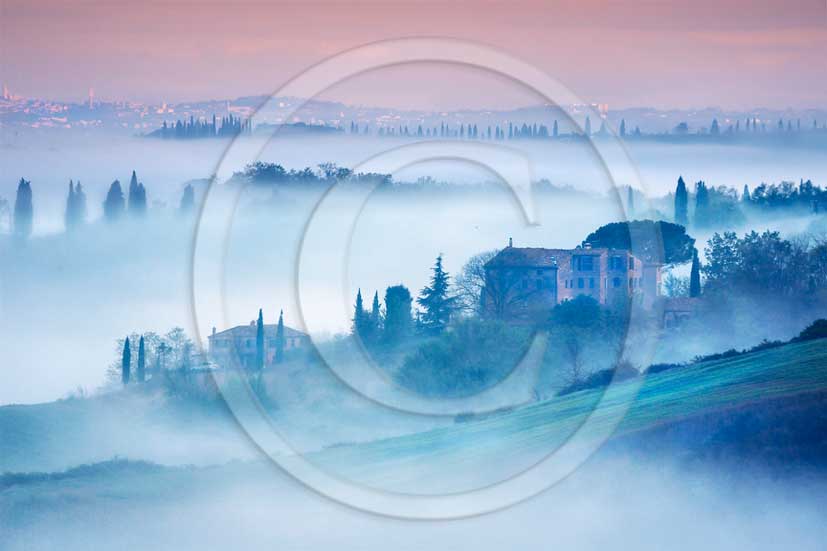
[525, 283]
[236, 347]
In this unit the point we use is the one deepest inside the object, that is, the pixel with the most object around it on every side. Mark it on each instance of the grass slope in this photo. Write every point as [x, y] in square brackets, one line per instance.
[516, 439]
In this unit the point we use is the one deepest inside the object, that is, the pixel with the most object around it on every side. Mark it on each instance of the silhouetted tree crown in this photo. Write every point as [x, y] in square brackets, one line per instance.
[398, 319]
[140, 373]
[361, 318]
[75, 206]
[695, 276]
[187, 200]
[435, 301]
[280, 338]
[375, 315]
[23, 210]
[260, 341]
[137, 197]
[113, 205]
[681, 203]
[660, 242]
[126, 361]
[702, 210]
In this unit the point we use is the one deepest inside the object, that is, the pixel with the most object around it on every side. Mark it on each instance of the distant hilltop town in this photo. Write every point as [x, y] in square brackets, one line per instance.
[535, 122]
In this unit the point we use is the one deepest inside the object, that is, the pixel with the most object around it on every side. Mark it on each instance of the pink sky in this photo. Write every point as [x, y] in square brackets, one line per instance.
[661, 53]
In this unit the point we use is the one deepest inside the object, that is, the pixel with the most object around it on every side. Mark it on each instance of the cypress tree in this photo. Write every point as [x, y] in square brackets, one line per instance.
[398, 320]
[80, 205]
[630, 201]
[187, 200]
[622, 128]
[681, 203]
[136, 204]
[126, 360]
[554, 129]
[280, 338]
[113, 206]
[23, 210]
[745, 197]
[438, 306]
[69, 216]
[375, 315]
[140, 373]
[587, 129]
[360, 317]
[260, 341]
[141, 207]
[132, 200]
[701, 204]
[695, 276]
[75, 206]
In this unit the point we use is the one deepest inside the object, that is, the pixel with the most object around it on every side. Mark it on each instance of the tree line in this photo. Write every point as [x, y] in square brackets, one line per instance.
[496, 132]
[116, 205]
[142, 357]
[393, 323]
[229, 127]
[751, 127]
[723, 206]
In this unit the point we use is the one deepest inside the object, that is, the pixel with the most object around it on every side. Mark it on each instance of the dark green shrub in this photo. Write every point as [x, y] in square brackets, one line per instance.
[816, 330]
[469, 357]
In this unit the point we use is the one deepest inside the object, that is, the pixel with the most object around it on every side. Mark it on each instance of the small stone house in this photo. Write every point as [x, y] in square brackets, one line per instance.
[236, 347]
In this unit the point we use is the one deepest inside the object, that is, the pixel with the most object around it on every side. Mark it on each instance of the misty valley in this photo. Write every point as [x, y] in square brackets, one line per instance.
[159, 318]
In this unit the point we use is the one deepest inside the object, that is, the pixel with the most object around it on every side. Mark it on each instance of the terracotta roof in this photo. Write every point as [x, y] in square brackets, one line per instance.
[530, 257]
[249, 331]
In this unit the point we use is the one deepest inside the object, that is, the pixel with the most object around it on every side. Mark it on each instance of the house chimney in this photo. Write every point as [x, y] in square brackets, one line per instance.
[510, 242]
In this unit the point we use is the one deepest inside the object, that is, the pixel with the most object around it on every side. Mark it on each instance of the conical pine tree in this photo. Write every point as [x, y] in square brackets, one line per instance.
[23, 210]
[133, 199]
[361, 319]
[140, 372]
[260, 341]
[435, 301]
[69, 217]
[126, 362]
[280, 338]
[695, 276]
[375, 315]
[681, 203]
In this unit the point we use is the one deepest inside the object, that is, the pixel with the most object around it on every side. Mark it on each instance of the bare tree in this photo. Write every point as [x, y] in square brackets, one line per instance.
[470, 282]
[505, 293]
[573, 347]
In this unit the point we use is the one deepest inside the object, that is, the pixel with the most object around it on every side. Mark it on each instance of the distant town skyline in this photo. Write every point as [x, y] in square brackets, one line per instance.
[92, 99]
[665, 54]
